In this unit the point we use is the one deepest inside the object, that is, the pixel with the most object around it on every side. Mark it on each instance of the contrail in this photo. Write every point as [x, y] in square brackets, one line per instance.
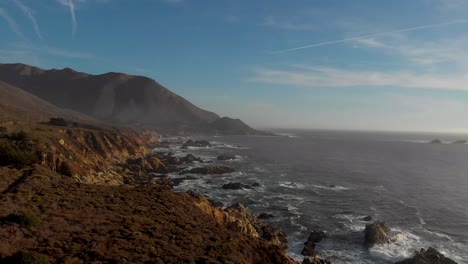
[71, 6]
[31, 17]
[373, 35]
[11, 23]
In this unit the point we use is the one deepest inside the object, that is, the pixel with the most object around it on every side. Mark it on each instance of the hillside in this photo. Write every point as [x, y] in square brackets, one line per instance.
[19, 105]
[231, 126]
[112, 97]
[79, 195]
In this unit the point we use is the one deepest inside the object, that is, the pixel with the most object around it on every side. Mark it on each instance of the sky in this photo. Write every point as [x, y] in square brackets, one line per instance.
[359, 65]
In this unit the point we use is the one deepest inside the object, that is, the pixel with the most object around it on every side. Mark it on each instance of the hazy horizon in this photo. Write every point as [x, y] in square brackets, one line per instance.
[367, 66]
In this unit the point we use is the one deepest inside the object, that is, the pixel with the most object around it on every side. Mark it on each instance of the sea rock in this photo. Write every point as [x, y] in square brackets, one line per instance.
[226, 157]
[429, 256]
[197, 143]
[236, 186]
[209, 170]
[255, 184]
[178, 181]
[315, 260]
[314, 238]
[164, 144]
[460, 142]
[265, 216]
[376, 233]
[436, 141]
[189, 158]
[367, 218]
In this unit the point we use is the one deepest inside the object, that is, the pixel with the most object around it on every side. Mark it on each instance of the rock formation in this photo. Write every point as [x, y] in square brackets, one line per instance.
[429, 256]
[309, 246]
[376, 233]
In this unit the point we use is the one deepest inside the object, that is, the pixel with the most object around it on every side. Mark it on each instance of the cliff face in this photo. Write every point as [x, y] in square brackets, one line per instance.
[90, 198]
[81, 223]
[113, 97]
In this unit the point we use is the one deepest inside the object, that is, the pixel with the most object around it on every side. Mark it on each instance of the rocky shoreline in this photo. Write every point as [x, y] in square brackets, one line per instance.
[96, 190]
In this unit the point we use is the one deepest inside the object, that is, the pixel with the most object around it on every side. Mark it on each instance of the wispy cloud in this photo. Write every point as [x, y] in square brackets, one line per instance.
[463, 21]
[29, 13]
[318, 77]
[270, 21]
[11, 23]
[231, 19]
[71, 6]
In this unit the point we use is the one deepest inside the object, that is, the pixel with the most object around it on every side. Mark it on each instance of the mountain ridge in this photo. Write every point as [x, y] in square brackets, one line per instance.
[112, 97]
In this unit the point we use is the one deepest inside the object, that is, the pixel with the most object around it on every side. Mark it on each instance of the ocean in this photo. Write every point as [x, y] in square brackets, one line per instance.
[330, 180]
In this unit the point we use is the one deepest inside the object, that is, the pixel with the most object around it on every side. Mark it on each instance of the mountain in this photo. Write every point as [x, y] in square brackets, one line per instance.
[19, 105]
[112, 97]
[231, 126]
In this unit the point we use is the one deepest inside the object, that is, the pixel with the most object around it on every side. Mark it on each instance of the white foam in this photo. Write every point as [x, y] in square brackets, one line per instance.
[291, 185]
[331, 187]
[354, 223]
[402, 246]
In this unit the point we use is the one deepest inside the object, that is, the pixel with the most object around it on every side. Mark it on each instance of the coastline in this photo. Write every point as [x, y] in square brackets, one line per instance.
[96, 187]
[100, 185]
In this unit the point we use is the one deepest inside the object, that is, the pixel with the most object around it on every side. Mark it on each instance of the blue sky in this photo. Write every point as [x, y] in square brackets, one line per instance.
[234, 57]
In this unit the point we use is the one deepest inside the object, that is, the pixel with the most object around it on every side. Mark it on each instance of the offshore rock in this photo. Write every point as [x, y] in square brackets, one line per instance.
[309, 246]
[197, 143]
[315, 260]
[429, 256]
[209, 170]
[376, 233]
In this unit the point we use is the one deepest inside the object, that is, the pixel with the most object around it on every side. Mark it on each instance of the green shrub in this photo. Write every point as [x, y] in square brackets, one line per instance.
[25, 257]
[24, 219]
[11, 155]
[58, 121]
[19, 136]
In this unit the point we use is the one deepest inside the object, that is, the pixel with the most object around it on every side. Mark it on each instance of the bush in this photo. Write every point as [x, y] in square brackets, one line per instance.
[24, 257]
[58, 122]
[11, 155]
[65, 169]
[19, 136]
[24, 219]
[3, 129]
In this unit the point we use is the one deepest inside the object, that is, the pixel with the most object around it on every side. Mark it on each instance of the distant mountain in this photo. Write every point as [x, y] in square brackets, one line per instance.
[112, 97]
[231, 126]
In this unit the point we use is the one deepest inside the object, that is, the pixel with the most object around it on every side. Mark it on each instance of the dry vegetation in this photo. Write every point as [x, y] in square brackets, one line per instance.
[49, 217]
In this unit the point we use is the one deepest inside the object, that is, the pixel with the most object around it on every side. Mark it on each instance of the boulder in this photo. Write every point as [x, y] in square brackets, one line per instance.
[429, 256]
[376, 233]
[198, 143]
[226, 157]
[265, 216]
[367, 218]
[235, 186]
[436, 141]
[178, 181]
[209, 170]
[315, 260]
[314, 238]
[189, 158]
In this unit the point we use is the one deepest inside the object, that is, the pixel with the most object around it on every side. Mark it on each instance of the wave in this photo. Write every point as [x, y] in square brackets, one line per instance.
[402, 246]
[331, 187]
[291, 185]
[289, 135]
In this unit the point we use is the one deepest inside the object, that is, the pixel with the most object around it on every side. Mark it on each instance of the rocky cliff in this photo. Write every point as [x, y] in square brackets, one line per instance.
[87, 197]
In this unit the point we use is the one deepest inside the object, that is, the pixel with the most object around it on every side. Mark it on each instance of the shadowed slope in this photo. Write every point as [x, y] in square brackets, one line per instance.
[113, 97]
